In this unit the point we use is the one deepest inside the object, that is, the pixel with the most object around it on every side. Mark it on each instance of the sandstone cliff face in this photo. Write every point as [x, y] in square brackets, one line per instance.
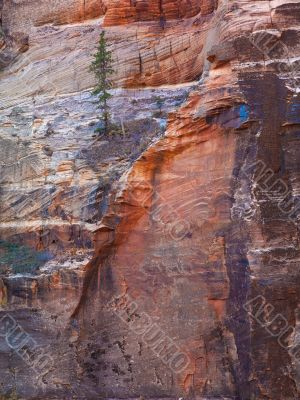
[127, 11]
[172, 249]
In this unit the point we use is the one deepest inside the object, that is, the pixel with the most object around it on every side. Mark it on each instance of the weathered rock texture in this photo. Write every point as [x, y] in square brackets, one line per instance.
[157, 237]
[127, 11]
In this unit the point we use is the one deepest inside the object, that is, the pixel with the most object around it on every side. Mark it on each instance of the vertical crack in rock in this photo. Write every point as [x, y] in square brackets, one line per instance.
[272, 149]
[237, 239]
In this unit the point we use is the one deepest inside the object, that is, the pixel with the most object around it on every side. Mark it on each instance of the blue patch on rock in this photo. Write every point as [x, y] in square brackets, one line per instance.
[244, 113]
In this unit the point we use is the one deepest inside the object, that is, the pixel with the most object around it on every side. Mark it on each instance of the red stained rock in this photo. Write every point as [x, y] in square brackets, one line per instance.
[127, 11]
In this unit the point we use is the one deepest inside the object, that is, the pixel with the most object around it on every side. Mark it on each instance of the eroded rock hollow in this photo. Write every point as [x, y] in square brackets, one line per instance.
[160, 262]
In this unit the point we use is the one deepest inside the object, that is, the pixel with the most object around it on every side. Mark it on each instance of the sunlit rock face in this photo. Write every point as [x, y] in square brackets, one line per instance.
[168, 49]
[162, 261]
[127, 11]
[19, 15]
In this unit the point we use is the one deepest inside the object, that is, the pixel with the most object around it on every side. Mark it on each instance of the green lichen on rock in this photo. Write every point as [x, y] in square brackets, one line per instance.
[9, 396]
[16, 258]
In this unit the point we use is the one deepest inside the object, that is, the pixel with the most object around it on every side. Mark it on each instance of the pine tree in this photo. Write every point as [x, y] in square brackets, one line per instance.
[102, 69]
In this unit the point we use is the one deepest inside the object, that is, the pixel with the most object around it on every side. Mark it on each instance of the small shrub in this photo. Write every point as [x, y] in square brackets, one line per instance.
[9, 396]
[159, 102]
[112, 130]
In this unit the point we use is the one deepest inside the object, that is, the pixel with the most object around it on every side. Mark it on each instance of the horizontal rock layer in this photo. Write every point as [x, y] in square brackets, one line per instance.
[127, 11]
